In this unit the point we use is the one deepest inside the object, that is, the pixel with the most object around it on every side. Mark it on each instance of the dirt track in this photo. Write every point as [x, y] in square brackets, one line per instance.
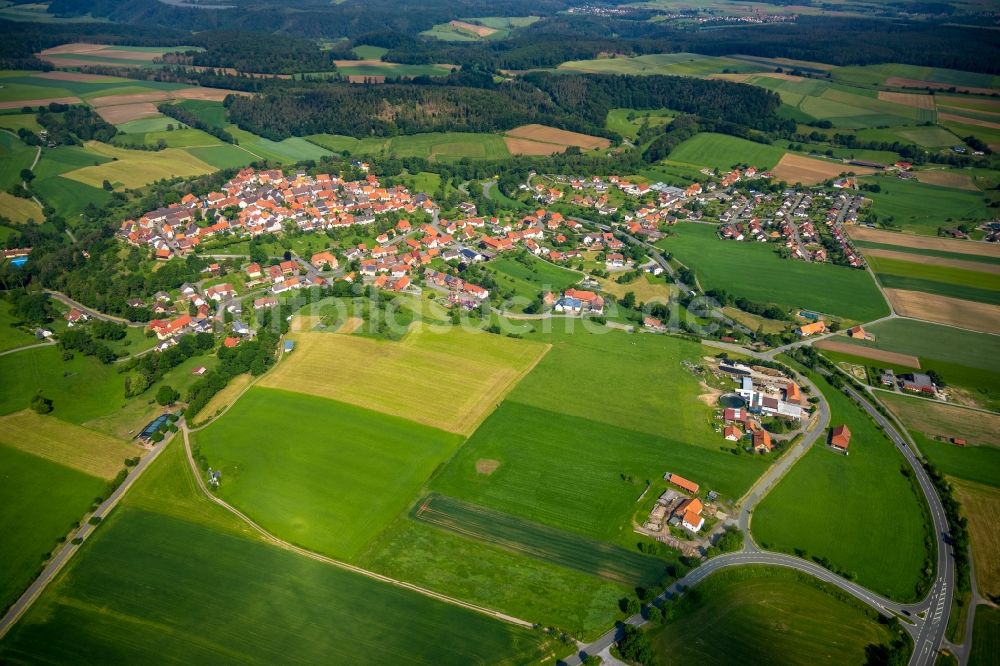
[867, 352]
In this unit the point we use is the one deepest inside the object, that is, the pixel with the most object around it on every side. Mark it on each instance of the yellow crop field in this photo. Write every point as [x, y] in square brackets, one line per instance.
[981, 505]
[450, 380]
[20, 210]
[136, 168]
[67, 444]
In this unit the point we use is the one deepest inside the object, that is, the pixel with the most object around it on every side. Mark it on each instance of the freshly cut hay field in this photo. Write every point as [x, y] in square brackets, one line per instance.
[578, 474]
[767, 615]
[945, 310]
[135, 168]
[450, 380]
[981, 506]
[721, 151]
[39, 502]
[327, 475]
[937, 418]
[605, 560]
[44, 101]
[977, 266]
[894, 358]
[526, 147]
[279, 607]
[546, 134]
[223, 398]
[123, 113]
[925, 242]
[20, 210]
[816, 504]
[916, 100]
[81, 77]
[807, 170]
[47, 437]
[961, 181]
[130, 98]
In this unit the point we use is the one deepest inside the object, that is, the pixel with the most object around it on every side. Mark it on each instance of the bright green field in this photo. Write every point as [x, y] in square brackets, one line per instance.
[279, 606]
[868, 74]
[212, 113]
[68, 197]
[143, 125]
[923, 252]
[294, 149]
[433, 145]
[985, 637]
[39, 502]
[478, 572]
[567, 471]
[618, 120]
[16, 121]
[678, 64]
[223, 156]
[393, 70]
[328, 476]
[755, 271]
[857, 510]
[81, 389]
[764, 615]
[922, 208]
[14, 156]
[11, 337]
[944, 280]
[973, 463]
[178, 138]
[526, 281]
[366, 52]
[721, 151]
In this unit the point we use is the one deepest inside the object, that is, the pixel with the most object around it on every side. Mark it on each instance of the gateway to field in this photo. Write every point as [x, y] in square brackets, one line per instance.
[450, 380]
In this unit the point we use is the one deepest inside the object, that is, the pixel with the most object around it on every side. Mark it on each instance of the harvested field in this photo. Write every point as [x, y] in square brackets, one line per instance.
[83, 449]
[966, 120]
[39, 102]
[979, 266]
[894, 358]
[205, 94]
[961, 181]
[941, 419]
[465, 374]
[477, 30]
[981, 506]
[101, 49]
[135, 168]
[223, 398]
[123, 113]
[809, 171]
[134, 98]
[901, 82]
[527, 147]
[549, 544]
[925, 242]
[916, 100]
[546, 134]
[945, 310]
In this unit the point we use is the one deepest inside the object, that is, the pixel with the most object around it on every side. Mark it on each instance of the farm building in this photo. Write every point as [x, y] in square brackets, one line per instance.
[840, 438]
[762, 441]
[681, 482]
[733, 434]
[811, 329]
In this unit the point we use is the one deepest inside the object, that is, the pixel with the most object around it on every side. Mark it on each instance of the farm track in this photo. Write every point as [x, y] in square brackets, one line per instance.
[329, 560]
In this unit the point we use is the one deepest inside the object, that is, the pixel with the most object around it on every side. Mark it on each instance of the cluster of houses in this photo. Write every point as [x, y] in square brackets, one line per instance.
[793, 222]
[195, 312]
[763, 395]
[460, 292]
[254, 203]
[687, 512]
[576, 302]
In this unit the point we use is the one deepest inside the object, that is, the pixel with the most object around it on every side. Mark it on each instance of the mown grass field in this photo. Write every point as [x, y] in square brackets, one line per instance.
[618, 120]
[135, 168]
[39, 502]
[721, 151]
[288, 151]
[526, 280]
[14, 156]
[279, 607]
[431, 146]
[677, 64]
[596, 558]
[922, 208]
[20, 211]
[449, 379]
[980, 464]
[937, 279]
[482, 573]
[767, 615]
[328, 476]
[846, 292]
[10, 336]
[576, 474]
[61, 442]
[940, 419]
[859, 510]
[926, 340]
[606, 377]
[981, 505]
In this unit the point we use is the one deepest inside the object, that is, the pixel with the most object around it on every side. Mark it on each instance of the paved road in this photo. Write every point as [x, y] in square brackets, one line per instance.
[63, 556]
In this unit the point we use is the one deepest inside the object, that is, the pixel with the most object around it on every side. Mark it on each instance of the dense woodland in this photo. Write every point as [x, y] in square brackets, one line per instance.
[258, 52]
[573, 102]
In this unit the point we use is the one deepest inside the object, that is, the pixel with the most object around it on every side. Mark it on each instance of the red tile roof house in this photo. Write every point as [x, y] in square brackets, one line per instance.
[324, 258]
[840, 438]
[762, 441]
[733, 434]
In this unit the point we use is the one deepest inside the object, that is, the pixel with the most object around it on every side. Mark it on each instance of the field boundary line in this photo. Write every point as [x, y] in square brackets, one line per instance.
[280, 543]
[511, 385]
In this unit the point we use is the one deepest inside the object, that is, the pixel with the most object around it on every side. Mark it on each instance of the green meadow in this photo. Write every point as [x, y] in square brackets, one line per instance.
[526, 281]
[39, 502]
[985, 633]
[721, 151]
[327, 476]
[973, 463]
[923, 208]
[755, 615]
[627, 122]
[677, 64]
[14, 156]
[287, 151]
[924, 252]
[859, 511]
[755, 270]
[934, 341]
[576, 474]
[12, 337]
[432, 145]
[933, 279]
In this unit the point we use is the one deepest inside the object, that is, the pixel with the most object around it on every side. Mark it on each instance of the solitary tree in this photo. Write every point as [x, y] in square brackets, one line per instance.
[166, 395]
[41, 404]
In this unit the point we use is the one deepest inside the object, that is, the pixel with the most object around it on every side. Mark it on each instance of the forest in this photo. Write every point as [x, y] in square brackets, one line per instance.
[573, 102]
[255, 52]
